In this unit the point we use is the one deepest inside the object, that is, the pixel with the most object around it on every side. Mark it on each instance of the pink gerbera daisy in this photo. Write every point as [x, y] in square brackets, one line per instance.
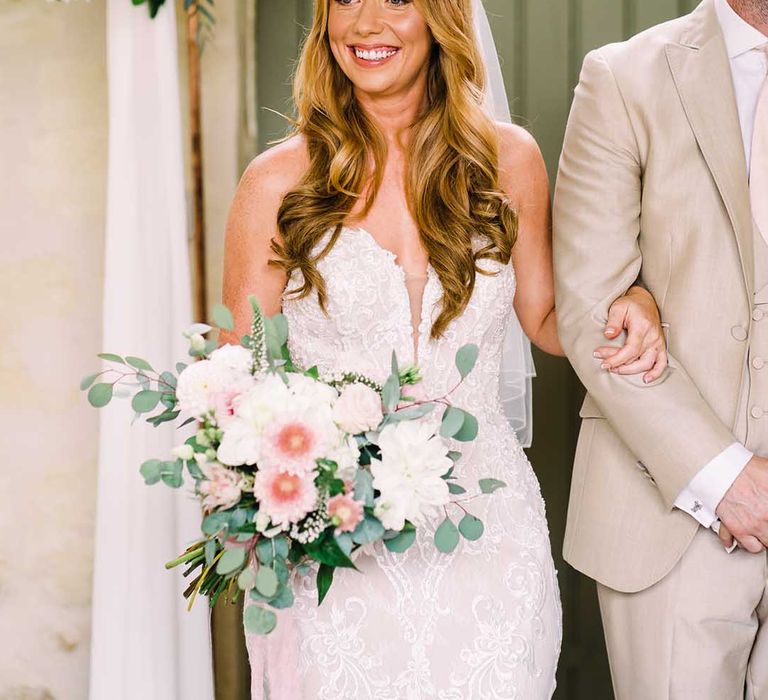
[291, 445]
[345, 512]
[284, 496]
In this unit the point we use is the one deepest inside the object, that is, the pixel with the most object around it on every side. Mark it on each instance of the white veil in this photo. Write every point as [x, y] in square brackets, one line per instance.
[517, 370]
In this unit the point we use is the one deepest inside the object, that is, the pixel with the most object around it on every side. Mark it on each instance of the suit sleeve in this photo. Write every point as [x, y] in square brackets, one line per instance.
[667, 424]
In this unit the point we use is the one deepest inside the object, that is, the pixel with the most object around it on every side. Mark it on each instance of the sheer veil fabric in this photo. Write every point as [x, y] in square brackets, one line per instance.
[517, 369]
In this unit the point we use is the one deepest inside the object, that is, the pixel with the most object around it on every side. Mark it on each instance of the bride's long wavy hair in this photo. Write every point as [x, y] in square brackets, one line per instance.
[452, 182]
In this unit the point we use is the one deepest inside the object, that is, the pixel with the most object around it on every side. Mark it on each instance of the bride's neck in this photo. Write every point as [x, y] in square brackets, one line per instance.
[394, 114]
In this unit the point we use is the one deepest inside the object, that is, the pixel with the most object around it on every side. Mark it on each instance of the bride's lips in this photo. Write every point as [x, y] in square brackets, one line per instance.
[385, 53]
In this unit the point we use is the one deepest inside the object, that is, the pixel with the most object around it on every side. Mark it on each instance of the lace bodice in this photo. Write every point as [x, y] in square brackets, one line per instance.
[481, 623]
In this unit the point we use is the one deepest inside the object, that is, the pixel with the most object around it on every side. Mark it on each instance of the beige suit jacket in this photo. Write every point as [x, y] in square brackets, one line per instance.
[652, 187]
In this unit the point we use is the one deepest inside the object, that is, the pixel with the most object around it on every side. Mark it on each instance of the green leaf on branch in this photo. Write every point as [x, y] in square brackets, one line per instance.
[283, 599]
[490, 485]
[468, 430]
[369, 529]
[211, 547]
[171, 473]
[471, 527]
[214, 523]
[404, 539]
[390, 396]
[259, 620]
[111, 357]
[231, 561]
[264, 551]
[151, 470]
[412, 413]
[324, 581]
[364, 487]
[466, 357]
[180, 367]
[100, 395]
[201, 328]
[246, 579]
[453, 420]
[266, 581]
[455, 488]
[446, 536]
[169, 378]
[145, 401]
[344, 540]
[455, 456]
[87, 381]
[327, 551]
[138, 363]
[222, 317]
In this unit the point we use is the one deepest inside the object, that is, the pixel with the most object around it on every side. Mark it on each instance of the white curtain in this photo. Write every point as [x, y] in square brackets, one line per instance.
[145, 645]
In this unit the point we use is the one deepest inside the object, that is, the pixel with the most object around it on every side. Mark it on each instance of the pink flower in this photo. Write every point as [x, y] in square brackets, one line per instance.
[221, 488]
[284, 496]
[223, 404]
[345, 512]
[293, 445]
[358, 409]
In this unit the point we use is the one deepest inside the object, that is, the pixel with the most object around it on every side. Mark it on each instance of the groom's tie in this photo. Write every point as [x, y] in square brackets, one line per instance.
[758, 180]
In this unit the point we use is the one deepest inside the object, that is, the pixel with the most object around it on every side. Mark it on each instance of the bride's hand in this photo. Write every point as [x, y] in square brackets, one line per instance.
[645, 350]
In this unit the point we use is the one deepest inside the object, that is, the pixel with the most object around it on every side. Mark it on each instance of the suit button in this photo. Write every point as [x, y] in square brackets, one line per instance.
[739, 333]
[757, 412]
[757, 315]
[758, 362]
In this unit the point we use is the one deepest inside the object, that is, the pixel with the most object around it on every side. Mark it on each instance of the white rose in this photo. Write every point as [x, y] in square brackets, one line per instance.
[196, 384]
[409, 473]
[358, 409]
[233, 357]
[310, 393]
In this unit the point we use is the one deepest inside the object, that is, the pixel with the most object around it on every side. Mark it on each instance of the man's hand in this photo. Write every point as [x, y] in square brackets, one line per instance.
[744, 508]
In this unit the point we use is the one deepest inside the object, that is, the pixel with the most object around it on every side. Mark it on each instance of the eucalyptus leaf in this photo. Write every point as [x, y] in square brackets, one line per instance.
[281, 569]
[401, 541]
[232, 560]
[214, 523]
[466, 357]
[284, 598]
[453, 419]
[111, 357]
[171, 474]
[364, 487]
[395, 369]
[490, 485]
[468, 430]
[264, 550]
[246, 579]
[222, 317]
[145, 401]
[446, 536]
[169, 378]
[150, 470]
[391, 393]
[345, 543]
[280, 324]
[455, 488]
[454, 455]
[180, 367]
[100, 394]
[138, 363]
[281, 546]
[412, 413]
[471, 527]
[201, 328]
[266, 581]
[369, 529]
[259, 620]
[210, 551]
[87, 381]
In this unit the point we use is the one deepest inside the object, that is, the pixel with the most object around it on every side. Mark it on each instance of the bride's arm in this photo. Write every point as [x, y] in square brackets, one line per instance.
[523, 176]
[251, 226]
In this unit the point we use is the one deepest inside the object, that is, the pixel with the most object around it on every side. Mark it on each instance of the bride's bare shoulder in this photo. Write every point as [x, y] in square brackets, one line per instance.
[276, 171]
[521, 165]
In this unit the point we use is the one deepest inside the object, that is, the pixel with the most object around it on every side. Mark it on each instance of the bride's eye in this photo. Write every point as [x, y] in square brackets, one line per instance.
[346, 3]
[400, 3]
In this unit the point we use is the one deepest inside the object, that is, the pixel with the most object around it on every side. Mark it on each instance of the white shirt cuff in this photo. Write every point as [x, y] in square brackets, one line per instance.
[705, 491]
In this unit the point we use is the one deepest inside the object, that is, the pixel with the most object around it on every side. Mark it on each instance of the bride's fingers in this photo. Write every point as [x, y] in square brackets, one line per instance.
[644, 363]
[605, 352]
[631, 351]
[658, 369]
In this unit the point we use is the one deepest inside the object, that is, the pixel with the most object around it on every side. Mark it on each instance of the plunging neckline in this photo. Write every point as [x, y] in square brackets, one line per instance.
[416, 329]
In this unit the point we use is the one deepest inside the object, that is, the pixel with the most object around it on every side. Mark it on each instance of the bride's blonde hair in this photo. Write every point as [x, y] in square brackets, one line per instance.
[452, 176]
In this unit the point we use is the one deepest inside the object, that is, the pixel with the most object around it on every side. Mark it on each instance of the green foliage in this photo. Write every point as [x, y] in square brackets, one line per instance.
[453, 419]
[87, 381]
[138, 363]
[471, 527]
[145, 401]
[466, 357]
[222, 317]
[490, 485]
[266, 581]
[232, 560]
[468, 430]
[326, 550]
[324, 581]
[404, 539]
[111, 357]
[369, 529]
[364, 487]
[151, 470]
[455, 488]
[446, 536]
[391, 393]
[100, 394]
[259, 620]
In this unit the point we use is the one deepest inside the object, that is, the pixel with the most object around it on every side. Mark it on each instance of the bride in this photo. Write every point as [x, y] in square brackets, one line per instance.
[401, 216]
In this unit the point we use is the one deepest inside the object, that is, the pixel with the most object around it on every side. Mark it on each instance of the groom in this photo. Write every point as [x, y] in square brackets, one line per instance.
[664, 179]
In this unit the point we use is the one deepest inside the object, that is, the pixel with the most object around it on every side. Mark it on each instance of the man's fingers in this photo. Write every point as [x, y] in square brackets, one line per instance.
[751, 544]
[725, 536]
[644, 363]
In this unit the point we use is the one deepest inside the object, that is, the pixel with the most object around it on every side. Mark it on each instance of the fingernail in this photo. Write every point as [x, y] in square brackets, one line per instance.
[610, 330]
[604, 365]
[596, 354]
[647, 380]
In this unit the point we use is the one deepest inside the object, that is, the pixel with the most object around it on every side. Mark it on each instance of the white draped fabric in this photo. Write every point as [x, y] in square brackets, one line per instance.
[144, 642]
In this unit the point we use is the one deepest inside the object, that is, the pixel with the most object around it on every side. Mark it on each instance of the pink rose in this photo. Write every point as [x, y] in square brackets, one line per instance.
[358, 409]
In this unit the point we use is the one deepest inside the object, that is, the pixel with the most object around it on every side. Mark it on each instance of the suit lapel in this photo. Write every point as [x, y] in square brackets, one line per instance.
[702, 76]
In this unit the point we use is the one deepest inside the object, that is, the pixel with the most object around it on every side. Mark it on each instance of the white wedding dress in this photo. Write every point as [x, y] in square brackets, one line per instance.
[481, 623]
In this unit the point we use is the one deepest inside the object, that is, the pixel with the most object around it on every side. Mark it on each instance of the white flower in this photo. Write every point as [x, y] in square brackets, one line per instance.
[197, 342]
[234, 357]
[253, 411]
[262, 521]
[346, 456]
[183, 452]
[358, 409]
[195, 386]
[222, 488]
[310, 393]
[409, 474]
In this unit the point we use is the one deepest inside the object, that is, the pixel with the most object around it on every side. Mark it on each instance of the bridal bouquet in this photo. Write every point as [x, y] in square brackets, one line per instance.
[294, 468]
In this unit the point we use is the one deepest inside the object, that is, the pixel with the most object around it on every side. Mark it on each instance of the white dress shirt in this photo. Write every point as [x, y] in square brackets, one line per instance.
[749, 66]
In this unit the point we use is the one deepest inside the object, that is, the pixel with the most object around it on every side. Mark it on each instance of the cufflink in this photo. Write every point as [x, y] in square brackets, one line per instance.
[696, 507]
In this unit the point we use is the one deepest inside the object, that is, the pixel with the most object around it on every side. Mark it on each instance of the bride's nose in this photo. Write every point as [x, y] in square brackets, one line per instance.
[369, 18]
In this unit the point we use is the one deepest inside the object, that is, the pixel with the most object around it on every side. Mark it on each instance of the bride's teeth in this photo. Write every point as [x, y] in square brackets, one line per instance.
[373, 55]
